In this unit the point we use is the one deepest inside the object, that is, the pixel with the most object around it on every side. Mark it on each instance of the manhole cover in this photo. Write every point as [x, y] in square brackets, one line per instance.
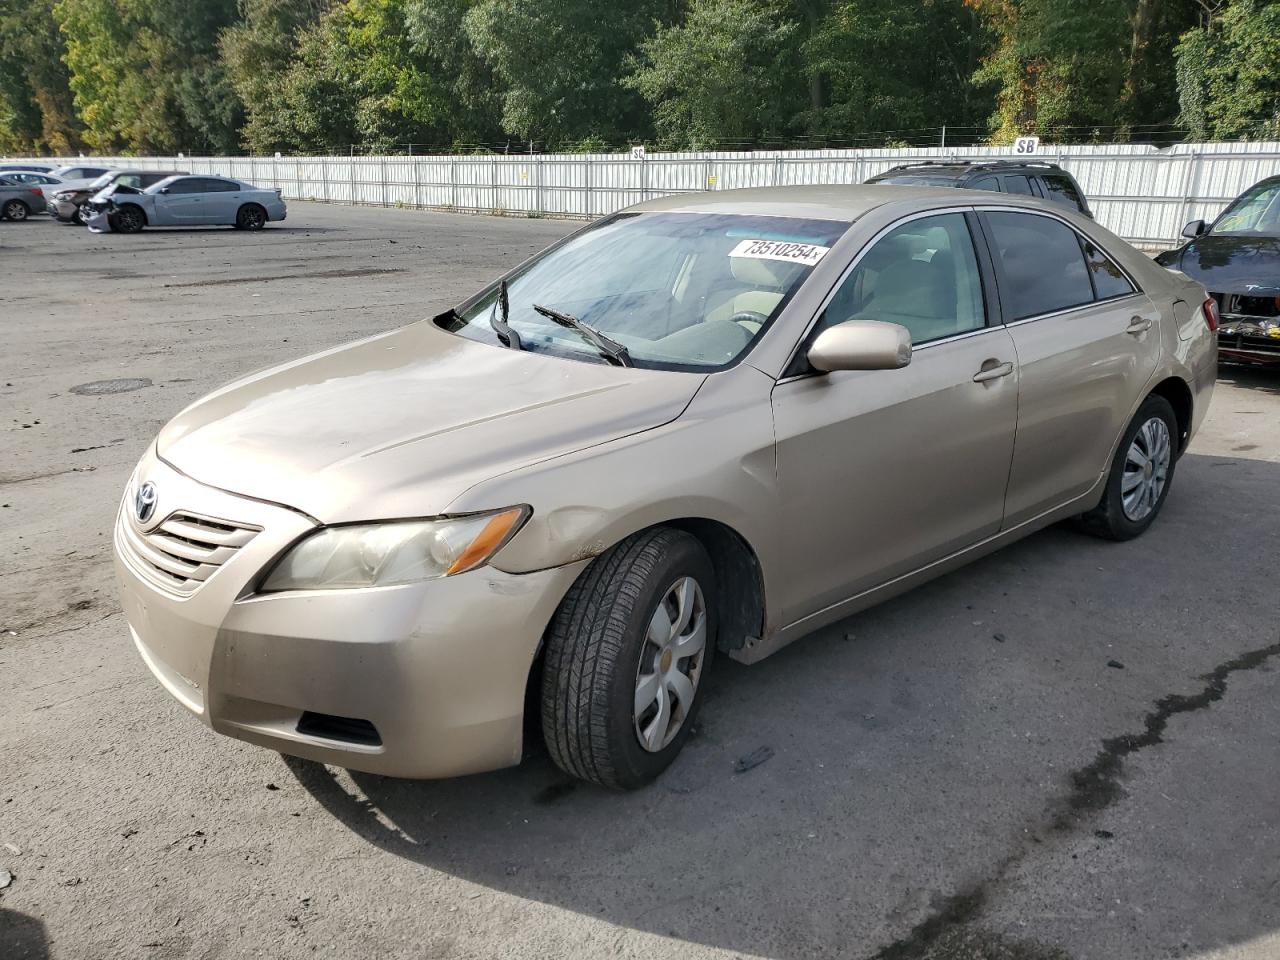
[99, 387]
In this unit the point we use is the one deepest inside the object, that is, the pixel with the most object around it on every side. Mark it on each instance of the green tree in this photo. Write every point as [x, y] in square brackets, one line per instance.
[357, 78]
[37, 114]
[147, 76]
[258, 50]
[889, 66]
[728, 72]
[1229, 73]
[438, 35]
[561, 62]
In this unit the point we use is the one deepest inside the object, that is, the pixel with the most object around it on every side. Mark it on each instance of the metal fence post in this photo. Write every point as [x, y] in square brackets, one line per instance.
[537, 186]
[352, 160]
[417, 181]
[382, 166]
[586, 170]
[777, 169]
[453, 183]
[1190, 179]
[493, 179]
[324, 177]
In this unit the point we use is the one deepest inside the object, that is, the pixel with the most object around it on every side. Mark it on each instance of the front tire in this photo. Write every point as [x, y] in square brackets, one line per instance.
[16, 210]
[1141, 474]
[626, 656]
[128, 219]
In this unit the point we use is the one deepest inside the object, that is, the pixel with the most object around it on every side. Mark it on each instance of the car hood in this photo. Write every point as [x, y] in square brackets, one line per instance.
[1233, 264]
[402, 424]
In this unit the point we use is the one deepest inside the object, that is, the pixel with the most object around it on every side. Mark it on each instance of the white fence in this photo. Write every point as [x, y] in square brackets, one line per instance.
[1142, 193]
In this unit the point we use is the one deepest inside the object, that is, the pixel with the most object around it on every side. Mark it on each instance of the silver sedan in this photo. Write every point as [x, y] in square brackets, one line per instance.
[181, 201]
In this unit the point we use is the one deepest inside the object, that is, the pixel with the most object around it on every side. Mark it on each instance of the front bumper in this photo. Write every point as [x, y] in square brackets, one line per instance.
[1249, 331]
[421, 680]
[65, 210]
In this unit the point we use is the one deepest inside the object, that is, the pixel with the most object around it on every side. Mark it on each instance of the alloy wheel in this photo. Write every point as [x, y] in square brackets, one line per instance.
[1146, 469]
[670, 664]
[15, 210]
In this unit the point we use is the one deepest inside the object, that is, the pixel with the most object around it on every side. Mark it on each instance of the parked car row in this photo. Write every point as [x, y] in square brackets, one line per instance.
[126, 201]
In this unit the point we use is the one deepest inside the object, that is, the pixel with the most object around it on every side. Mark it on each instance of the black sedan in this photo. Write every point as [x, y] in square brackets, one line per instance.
[1238, 261]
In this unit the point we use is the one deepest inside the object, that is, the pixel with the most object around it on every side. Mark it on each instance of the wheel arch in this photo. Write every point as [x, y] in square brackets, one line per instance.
[146, 221]
[1178, 393]
[740, 594]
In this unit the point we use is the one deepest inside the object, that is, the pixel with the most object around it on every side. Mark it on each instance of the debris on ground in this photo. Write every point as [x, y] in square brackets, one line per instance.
[752, 759]
[6, 878]
[999, 637]
[14, 849]
[1115, 664]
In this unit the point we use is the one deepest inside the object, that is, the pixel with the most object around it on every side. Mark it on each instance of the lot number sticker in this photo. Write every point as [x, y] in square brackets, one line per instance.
[806, 253]
[1025, 145]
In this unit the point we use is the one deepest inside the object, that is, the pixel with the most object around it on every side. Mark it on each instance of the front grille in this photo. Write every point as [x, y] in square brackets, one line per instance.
[185, 550]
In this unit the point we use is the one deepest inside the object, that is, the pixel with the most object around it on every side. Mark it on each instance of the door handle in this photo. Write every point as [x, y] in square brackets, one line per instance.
[993, 373]
[1138, 325]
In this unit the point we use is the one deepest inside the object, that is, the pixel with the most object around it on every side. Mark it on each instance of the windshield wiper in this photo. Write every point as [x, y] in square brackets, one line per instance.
[611, 348]
[506, 336]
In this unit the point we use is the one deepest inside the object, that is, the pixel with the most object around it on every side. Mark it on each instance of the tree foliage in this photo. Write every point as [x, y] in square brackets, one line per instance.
[1229, 73]
[320, 75]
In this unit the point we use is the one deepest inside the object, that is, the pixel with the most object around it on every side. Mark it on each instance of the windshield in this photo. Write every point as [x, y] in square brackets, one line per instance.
[680, 291]
[1256, 211]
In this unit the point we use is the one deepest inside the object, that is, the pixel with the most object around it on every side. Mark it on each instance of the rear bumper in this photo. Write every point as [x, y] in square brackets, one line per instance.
[437, 669]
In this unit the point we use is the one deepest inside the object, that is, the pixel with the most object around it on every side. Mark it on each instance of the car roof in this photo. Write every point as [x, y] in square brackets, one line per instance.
[845, 202]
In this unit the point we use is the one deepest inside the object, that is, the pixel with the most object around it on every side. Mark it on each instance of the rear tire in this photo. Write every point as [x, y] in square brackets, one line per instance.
[638, 625]
[251, 217]
[16, 210]
[128, 219]
[1141, 474]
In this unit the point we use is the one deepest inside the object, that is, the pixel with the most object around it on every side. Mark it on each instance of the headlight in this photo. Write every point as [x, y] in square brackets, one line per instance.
[402, 551]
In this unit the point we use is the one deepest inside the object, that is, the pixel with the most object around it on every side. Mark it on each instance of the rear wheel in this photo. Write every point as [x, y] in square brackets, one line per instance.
[251, 217]
[15, 210]
[1141, 473]
[626, 656]
[128, 219]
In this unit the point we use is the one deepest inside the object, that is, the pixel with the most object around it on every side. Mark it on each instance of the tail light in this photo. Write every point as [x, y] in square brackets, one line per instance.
[37, 191]
[1210, 309]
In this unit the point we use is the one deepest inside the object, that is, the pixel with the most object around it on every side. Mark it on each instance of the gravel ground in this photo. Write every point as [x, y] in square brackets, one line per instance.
[1067, 750]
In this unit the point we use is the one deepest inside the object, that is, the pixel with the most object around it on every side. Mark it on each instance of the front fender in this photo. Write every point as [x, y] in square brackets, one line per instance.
[715, 462]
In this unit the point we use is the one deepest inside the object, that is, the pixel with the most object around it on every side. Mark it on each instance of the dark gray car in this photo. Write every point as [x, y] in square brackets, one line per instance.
[20, 200]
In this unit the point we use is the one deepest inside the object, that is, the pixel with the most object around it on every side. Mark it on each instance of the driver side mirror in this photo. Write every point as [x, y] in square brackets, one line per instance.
[1194, 229]
[164, 189]
[861, 345]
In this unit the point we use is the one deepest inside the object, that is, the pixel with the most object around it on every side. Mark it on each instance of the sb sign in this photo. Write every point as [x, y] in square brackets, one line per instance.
[1026, 145]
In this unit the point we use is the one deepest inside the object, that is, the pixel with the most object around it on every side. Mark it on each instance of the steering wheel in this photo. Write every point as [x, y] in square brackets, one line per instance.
[745, 317]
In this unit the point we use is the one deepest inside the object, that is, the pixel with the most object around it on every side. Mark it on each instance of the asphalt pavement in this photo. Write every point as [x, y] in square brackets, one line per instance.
[1068, 750]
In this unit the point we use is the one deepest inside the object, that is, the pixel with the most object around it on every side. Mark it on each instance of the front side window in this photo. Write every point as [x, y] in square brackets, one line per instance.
[189, 185]
[1043, 269]
[1256, 211]
[1062, 190]
[922, 275]
[680, 291]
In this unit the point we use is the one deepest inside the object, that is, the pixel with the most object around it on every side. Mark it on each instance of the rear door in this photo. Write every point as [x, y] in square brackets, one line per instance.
[1088, 345]
[222, 200]
[1017, 183]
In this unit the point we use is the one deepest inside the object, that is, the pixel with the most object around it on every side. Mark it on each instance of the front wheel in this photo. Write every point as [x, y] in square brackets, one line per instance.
[128, 219]
[1141, 473]
[626, 656]
[16, 210]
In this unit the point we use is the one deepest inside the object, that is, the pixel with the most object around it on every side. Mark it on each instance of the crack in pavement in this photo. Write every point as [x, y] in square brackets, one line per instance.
[947, 935]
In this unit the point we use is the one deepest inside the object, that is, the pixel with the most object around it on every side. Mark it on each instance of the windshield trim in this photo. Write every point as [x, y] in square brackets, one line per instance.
[457, 313]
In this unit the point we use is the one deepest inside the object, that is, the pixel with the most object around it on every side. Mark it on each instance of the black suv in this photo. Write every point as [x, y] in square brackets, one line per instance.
[1028, 177]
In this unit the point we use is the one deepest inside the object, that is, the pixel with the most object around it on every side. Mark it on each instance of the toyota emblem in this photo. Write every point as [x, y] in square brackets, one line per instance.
[144, 502]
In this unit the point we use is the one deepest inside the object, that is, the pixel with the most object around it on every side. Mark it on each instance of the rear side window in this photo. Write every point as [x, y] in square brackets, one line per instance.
[1042, 266]
[1108, 279]
[986, 183]
[1017, 184]
[1062, 190]
[221, 186]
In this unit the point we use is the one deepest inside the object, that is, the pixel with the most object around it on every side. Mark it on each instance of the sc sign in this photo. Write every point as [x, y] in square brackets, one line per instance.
[1024, 146]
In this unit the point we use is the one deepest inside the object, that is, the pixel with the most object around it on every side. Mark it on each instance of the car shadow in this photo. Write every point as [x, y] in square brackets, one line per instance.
[1251, 377]
[870, 786]
[22, 937]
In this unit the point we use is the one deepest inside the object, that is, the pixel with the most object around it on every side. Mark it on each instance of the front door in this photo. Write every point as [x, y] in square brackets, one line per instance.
[182, 202]
[1088, 344]
[882, 472]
